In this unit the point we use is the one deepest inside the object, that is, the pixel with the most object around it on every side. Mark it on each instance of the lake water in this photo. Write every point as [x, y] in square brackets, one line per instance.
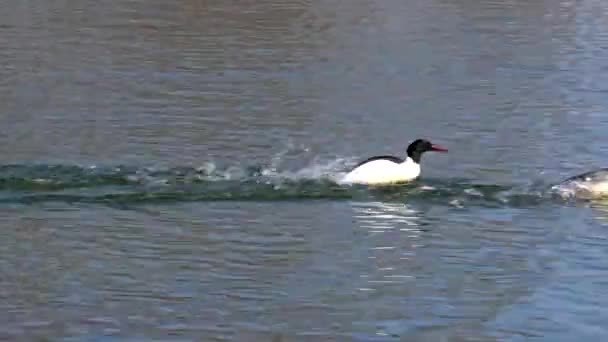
[168, 170]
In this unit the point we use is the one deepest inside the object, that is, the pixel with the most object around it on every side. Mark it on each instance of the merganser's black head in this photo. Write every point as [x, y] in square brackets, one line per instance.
[419, 146]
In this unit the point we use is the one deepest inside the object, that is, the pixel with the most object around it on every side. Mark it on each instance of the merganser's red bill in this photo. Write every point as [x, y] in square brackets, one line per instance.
[438, 148]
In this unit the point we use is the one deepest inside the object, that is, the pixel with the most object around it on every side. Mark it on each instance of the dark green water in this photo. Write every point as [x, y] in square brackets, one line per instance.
[169, 170]
[122, 185]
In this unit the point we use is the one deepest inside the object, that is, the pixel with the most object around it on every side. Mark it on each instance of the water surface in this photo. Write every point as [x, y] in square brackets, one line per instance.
[169, 170]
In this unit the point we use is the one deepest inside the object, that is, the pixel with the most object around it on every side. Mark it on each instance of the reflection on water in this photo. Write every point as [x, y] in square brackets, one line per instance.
[486, 264]
[378, 217]
[393, 231]
[599, 209]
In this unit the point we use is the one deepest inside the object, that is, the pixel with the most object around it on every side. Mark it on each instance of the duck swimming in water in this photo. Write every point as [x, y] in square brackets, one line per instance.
[381, 170]
[589, 185]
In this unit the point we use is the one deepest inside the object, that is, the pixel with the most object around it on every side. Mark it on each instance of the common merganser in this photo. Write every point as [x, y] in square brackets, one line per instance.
[590, 185]
[388, 169]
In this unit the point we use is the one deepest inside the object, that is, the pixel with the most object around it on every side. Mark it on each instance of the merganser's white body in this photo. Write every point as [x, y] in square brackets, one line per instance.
[383, 171]
[390, 170]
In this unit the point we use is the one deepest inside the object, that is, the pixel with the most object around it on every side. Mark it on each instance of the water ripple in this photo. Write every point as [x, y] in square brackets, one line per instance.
[124, 186]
